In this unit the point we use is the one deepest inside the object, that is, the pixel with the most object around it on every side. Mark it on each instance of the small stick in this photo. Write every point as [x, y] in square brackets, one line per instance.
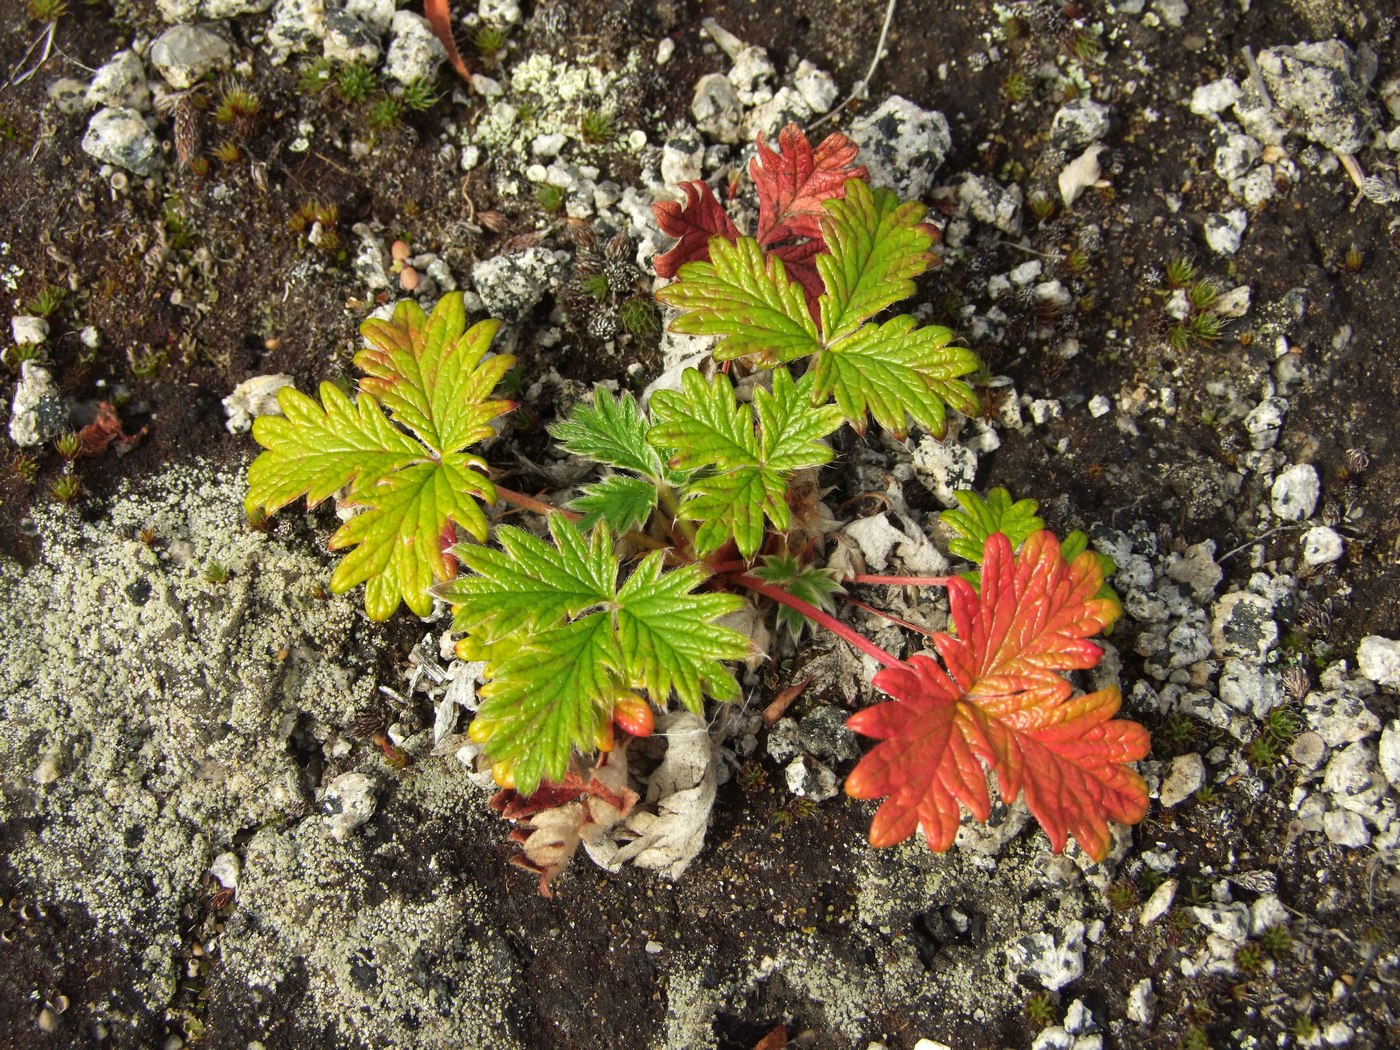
[783, 701]
[861, 88]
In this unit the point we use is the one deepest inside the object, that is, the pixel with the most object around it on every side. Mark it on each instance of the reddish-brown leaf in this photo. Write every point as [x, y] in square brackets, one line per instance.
[440, 18]
[694, 222]
[794, 180]
[1002, 701]
[106, 430]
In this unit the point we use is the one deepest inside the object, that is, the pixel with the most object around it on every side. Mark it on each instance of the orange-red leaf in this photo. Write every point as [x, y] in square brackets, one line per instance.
[1000, 699]
[795, 179]
[694, 222]
[440, 19]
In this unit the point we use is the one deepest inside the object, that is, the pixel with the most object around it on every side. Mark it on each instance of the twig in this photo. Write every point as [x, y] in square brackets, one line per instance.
[1257, 539]
[46, 38]
[861, 88]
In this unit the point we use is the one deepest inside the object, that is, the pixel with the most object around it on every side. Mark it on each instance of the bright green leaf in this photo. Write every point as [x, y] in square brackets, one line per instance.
[623, 502]
[610, 430]
[746, 299]
[897, 369]
[816, 586]
[876, 245]
[979, 518]
[746, 470]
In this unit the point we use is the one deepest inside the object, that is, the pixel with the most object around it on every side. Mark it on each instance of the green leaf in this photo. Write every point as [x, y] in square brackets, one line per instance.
[979, 518]
[623, 502]
[563, 643]
[877, 246]
[817, 587]
[432, 375]
[1074, 545]
[748, 470]
[314, 451]
[745, 298]
[612, 431]
[894, 370]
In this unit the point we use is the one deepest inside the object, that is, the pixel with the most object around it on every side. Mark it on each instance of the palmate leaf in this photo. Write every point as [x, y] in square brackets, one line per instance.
[695, 222]
[612, 431]
[415, 490]
[747, 463]
[794, 181]
[624, 502]
[746, 299]
[1000, 698]
[897, 370]
[564, 643]
[978, 518]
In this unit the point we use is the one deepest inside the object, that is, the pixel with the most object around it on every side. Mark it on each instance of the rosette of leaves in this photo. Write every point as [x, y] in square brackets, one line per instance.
[891, 370]
[398, 450]
[566, 645]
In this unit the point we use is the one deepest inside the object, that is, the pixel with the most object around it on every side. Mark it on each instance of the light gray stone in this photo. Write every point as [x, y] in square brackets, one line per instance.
[120, 81]
[1321, 546]
[1264, 422]
[1208, 100]
[1142, 1002]
[945, 466]
[1196, 568]
[1186, 776]
[903, 145]
[1078, 123]
[1354, 780]
[1389, 753]
[350, 41]
[716, 109]
[300, 25]
[1158, 903]
[1345, 828]
[349, 802]
[38, 412]
[185, 53]
[1379, 660]
[822, 733]
[120, 137]
[682, 157]
[1249, 688]
[1236, 155]
[1172, 12]
[1295, 492]
[1339, 717]
[217, 9]
[1225, 230]
[1317, 85]
[990, 202]
[808, 778]
[510, 285]
[69, 95]
[1052, 960]
[29, 330]
[1243, 626]
[751, 75]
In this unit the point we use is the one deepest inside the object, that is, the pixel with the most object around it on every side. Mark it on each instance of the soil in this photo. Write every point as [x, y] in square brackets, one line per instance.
[196, 283]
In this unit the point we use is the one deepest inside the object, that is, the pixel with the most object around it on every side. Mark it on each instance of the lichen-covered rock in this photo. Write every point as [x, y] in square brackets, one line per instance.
[414, 52]
[185, 53]
[1295, 492]
[903, 145]
[1379, 660]
[120, 82]
[716, 108]
[350, 41]
[121, 137]
[298, 25]
[38, 412]
[1243, 626]
[1078, 123]
[510, 285]
[1317, 85]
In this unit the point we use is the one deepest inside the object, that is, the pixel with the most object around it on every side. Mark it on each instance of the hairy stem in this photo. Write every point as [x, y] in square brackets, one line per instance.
[899, 581]
[816, 615]
[530, 503]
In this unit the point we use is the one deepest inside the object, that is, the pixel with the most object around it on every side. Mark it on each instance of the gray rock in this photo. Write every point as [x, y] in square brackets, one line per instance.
[1211, 99]
[1053, 1037]
[1379, 660]
[750, 76]
[120, 82]
[178, 10]
[822, 733]
[682, 158]
[1389, 753]
[185, 53]
[1264, 422]
[298, 25]
[1249, 688]
[1339, 717]
[945, 466]
[783, 743]
[217, 9]
[1321, 546]
[816, 87]
[1227, 926]
[1172, 12]
[1187, 644]
[548, 146]
[29, 330]
[990, 202]
[69, 95]
[1345, 828]
[1224, 230]
[1354, 780]
[414, 53]
[349, 802]
[1052, 960]
[1142, 1002]
[378, 15]
[903, 145]
[811, 779]
[1159, 903]
[1243, 626]
[252, 398]
[38, 413]
[1079, 123]
[787, 106]
[349, 40]
[1196, 568]
[716, 108]
[121, 138]
[1186, 776]
[1295, 492]
[510, 285]
[1236, 155]
[1317, 85]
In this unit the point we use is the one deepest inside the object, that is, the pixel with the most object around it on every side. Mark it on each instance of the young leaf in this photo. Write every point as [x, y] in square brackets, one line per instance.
[894, 370]
[695, 222]
[432, 375]
[815, 586]
[564, 643]
[794, 181]
[876, 247]
[1002, 701]
[612, 431]
[749, 470]
[747, 300]
[979, 518]
[623, 502]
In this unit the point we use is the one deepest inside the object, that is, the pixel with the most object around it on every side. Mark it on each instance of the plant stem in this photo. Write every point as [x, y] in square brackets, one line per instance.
[816, 615]
[530, 503]
[900, 581]
[888, 616]
[667, 495]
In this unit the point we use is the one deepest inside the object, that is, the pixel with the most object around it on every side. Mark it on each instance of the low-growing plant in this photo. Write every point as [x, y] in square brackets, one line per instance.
[617, 608]
[46, 300]
[355, 82]
[420, 94]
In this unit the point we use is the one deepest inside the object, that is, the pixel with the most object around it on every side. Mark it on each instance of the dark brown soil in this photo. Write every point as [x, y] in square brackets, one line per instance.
[279, 304]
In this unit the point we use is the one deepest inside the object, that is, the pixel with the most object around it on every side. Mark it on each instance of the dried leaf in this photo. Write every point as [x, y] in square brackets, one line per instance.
[440, 19]
[105, 431]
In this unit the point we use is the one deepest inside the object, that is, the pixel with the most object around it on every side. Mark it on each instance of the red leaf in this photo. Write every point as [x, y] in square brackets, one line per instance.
[1002, 701]
[438, 17]
[694, 222]
[793, 181]
[106, 430]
